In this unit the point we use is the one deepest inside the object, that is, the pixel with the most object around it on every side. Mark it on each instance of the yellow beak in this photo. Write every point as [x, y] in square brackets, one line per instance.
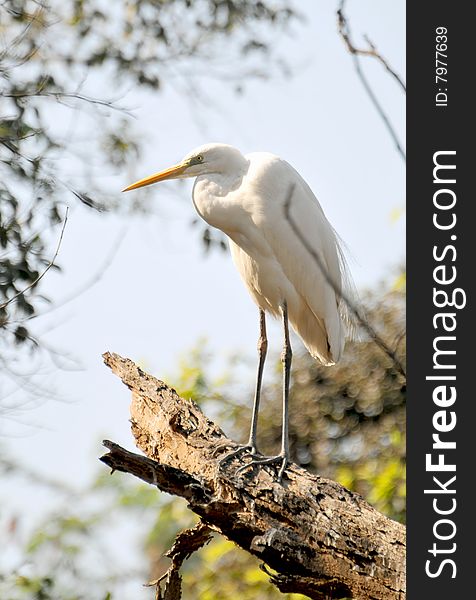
[170, 173]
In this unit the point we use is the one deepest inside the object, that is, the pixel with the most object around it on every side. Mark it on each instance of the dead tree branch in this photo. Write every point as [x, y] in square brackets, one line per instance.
[186, 543]
[321, 539]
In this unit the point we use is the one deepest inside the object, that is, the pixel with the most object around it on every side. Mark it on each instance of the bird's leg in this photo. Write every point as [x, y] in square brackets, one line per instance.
[286, 359]
[262, 350]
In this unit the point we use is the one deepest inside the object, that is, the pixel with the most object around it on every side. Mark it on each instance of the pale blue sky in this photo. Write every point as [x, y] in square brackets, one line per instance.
[160, 295]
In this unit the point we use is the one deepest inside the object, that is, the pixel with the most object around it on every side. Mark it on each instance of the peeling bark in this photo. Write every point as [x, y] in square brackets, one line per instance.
[322, 540]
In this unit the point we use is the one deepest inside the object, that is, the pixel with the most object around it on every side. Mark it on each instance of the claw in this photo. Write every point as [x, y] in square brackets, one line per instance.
[281, 458]
[231, 455]
[237, 449]
[221, 447]
[245, 448]
[256, 458]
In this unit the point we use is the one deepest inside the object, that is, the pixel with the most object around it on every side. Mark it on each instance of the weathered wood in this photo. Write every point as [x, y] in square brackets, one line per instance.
[322, 540]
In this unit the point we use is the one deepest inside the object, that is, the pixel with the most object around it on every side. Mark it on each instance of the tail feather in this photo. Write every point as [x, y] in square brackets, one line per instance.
[315, 337]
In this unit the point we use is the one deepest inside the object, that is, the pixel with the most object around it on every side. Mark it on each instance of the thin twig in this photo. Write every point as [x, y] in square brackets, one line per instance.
[374, 52]
[41, 275]
[34, 18]
[340, 294]
[344, 31]
[58, 95]
[378, 108]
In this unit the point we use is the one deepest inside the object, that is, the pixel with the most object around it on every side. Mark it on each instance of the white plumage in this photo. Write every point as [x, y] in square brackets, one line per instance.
[244, 196]
[246, 201]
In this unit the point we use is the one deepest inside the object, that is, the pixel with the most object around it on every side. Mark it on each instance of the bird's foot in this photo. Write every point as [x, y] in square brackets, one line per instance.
[281, 460]
[220, 448]
[237, 449]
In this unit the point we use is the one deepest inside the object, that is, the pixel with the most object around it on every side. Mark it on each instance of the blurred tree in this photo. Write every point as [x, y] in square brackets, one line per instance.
[347, 423]
[55, 141]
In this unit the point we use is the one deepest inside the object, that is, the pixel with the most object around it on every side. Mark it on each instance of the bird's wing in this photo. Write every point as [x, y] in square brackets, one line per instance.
[318, 282]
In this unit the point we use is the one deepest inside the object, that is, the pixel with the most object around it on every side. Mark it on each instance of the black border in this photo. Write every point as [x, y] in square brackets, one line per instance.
[432, 128]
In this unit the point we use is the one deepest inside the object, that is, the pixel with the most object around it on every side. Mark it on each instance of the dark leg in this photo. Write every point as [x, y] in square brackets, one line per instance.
[262, 349]
[286, 358]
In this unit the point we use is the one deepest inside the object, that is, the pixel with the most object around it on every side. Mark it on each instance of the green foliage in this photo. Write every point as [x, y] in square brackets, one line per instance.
[221, 570]
[39, 587]
[192, 380]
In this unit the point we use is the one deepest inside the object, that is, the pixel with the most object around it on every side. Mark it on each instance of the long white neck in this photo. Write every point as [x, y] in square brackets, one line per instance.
[213, 193]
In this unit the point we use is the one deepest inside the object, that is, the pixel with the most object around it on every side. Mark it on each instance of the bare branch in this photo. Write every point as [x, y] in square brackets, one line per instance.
[16, 41]
[344, 31]
[43, 273]
[186, 543]
[379, 109]
[353, 309]
[59, 95]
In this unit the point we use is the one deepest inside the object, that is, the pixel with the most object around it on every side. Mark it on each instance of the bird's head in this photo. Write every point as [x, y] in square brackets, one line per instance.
[209, 158]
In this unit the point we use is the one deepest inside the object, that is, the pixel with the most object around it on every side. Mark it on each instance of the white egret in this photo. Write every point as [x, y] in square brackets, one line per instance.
[244, 196]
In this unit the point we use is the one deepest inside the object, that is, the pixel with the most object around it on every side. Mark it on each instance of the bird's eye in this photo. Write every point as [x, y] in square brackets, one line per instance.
[199, 158]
